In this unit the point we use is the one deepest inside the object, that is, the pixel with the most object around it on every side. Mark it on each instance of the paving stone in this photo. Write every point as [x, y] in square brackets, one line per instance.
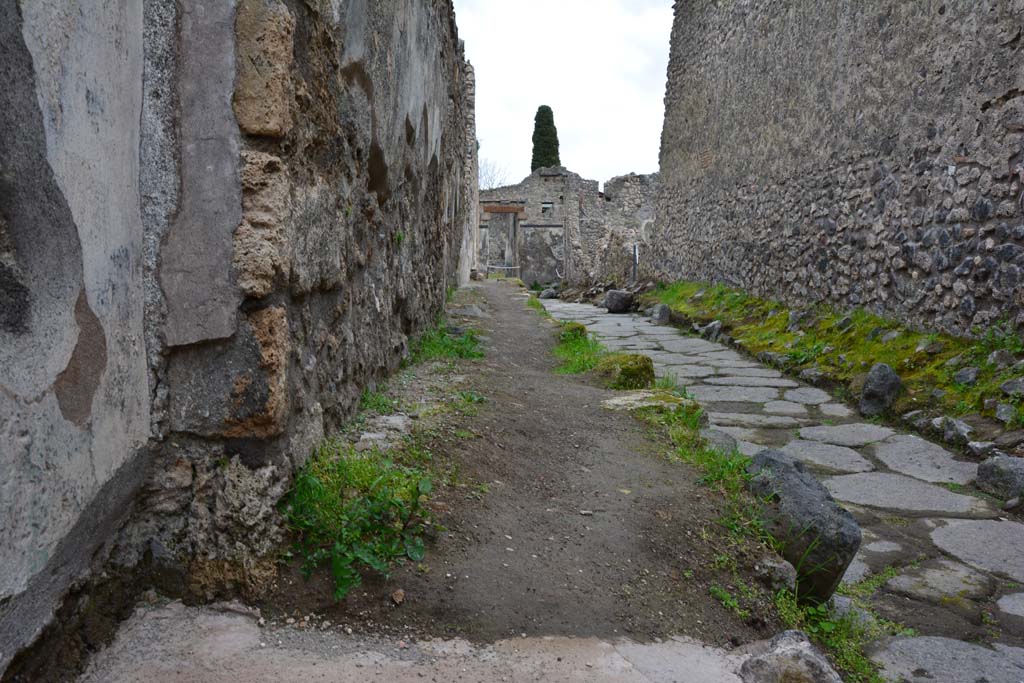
[915, 457]
[735, 364]
[1012, 605]
[883, 547]
[741, 433]
[846, 435]
[636, 343]
[723, 354]
[717, 394]
[606, 331]
[750, 449]
[752, 382]
[785, 408]
[688, 371]
[751, 372]
[856, 572]
[908, 495]
[835, 458]
[808, 396]
[989, 545]
[668, 358]
[930, 659]
[753, 420]
[688, 345]
[941, 580]
[835, 410]
[642, 399]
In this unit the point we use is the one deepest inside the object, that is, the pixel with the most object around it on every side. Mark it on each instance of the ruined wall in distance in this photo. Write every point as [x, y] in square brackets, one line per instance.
[572, 231]
[859, 153]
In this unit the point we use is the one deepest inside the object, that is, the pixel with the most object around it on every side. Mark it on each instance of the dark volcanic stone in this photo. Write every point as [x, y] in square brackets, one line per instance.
[819, 537]
[618, 301]
[881, 388]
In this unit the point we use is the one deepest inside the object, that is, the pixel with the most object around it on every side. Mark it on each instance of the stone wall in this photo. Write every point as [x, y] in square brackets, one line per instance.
[568, 229]
[860, 153]
[218, 223]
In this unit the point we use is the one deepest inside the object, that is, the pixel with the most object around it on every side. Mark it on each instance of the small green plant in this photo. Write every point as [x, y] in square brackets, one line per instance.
[536, 287]
[670, 383]
[846, 637]
[438, 342]
[377, 401]
[728, 600]
[578, 350]
[534, 303]
[471, 397]
[355, 512]
[399, 238]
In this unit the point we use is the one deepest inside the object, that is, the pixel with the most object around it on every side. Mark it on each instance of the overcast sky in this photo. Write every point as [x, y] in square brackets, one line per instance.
[599, 64]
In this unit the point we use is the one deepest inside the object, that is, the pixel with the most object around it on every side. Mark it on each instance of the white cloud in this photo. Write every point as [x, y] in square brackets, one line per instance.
[599, 64]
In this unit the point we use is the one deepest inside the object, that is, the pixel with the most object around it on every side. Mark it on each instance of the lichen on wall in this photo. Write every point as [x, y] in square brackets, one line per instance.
[858, 153]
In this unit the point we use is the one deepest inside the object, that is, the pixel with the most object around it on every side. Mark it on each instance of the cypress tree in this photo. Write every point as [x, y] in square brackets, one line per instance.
[545, 140]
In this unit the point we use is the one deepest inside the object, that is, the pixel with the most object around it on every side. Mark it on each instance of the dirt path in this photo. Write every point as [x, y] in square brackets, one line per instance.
[526, 559]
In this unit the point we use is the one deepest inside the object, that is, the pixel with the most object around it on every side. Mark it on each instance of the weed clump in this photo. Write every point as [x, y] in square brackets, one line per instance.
[627, 370]
[356, 511]
[579, 351]
[440, 342]
[572, 331]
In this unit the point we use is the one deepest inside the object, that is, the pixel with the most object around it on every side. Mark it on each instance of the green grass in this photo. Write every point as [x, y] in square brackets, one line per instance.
[534, 303]
[439, 343]
[355, 512]
[377, 401]
[725, 473]
[845, 345]
[578, 350]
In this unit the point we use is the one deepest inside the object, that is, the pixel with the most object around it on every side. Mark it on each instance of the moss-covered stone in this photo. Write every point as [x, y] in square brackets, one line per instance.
[627, 371]
[573, 331]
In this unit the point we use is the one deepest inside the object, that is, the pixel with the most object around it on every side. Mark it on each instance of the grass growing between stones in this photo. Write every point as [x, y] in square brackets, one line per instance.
[846, 636]
[845, 345]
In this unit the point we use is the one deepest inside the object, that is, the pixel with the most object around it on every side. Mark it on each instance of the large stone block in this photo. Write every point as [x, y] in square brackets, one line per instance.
[265, 31]
[236, 388]
[263, 240]
[819, 538]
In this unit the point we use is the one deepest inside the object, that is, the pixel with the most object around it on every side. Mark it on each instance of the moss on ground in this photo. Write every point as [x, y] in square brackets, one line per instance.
[844, 345]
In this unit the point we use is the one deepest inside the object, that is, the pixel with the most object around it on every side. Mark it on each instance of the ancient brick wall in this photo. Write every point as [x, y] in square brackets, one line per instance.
[860, 153]
[219, 222]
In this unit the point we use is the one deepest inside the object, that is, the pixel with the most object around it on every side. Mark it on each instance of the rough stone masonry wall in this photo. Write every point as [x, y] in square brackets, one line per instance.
[219, 221]
[862, 153]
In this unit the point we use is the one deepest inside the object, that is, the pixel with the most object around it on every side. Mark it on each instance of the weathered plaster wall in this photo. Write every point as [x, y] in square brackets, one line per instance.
[74, 405]
[862, 153]
[218, 223]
